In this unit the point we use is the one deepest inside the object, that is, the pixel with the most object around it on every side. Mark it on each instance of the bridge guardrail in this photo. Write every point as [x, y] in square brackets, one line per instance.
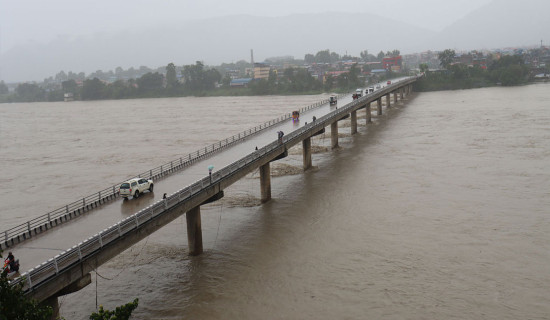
[52, 267]
[53, 218]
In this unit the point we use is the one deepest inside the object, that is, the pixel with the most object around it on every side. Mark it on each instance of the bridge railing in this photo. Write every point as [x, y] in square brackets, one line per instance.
[53, 218]
[49, 269]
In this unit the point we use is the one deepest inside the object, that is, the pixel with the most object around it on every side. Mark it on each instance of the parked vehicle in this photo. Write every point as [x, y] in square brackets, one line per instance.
[333, 100]
[134, 187]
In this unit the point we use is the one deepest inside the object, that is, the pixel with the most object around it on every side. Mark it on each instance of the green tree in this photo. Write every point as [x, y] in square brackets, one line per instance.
[150, 83]
[171, 78]
[29, 92]
[14, 305]
[323, 56]
[69, 86]
[211, 77]
[334, 57]
[446, 57]
[309, 58]
[509, 70]
[3, 88]
[380, 55]
[353, 76]
[120, 313]
[93, 89]
[364, 55]
[343, 81]
[423, 67]
[329, 82]
[193, 76]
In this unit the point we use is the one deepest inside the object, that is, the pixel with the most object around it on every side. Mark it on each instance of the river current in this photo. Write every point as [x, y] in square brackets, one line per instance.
[438, 210]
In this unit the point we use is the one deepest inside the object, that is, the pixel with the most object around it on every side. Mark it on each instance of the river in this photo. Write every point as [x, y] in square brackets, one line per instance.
[438, 210]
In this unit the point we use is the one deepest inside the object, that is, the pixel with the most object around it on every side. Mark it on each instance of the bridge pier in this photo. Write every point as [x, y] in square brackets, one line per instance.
[379, 101]
[53, 301]
[306, 146]
[194, 231]
[367, 108]
[354, 122]
[401, 91]
[265, 182]
[395, 96]
[334, 134]
[388, 100]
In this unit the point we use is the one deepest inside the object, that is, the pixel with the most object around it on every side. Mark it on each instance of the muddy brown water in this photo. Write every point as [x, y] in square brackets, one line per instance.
[438, 210]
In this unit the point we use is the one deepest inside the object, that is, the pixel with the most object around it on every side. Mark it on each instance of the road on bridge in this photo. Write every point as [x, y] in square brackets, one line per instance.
[44, 246]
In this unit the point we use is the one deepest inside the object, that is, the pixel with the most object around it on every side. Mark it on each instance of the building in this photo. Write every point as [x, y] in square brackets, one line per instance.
[242, 83]
[261, 71]
[392, 63]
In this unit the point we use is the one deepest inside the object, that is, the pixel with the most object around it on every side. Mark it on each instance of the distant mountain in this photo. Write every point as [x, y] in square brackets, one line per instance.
[501, 23]
[213, 41]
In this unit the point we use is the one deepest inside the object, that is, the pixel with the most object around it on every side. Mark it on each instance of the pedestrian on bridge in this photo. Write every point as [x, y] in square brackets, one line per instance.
[280, 134]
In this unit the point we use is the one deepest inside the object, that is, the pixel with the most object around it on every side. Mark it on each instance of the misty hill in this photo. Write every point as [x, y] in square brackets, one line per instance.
[213, 41]
[501, 23]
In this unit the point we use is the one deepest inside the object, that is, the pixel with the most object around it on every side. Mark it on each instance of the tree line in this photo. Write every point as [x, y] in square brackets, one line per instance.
[196, 79]
[507, 71]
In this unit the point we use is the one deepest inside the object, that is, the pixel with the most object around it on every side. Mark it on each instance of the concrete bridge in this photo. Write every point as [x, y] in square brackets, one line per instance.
[70, 270]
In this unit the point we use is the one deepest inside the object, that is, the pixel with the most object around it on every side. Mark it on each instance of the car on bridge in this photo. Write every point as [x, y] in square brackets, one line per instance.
[134, 187]
[389, 82]
[333, 100]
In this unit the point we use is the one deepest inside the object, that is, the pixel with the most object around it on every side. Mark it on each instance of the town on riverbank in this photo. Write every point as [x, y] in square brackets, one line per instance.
[324, 71]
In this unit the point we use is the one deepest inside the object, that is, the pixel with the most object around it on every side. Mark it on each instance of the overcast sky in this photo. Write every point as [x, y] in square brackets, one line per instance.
[27, 21]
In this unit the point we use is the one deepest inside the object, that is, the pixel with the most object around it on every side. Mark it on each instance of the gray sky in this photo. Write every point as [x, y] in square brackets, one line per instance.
[28, 21]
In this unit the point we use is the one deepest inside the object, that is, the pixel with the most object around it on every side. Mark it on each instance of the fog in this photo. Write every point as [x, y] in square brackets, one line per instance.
[41, 38]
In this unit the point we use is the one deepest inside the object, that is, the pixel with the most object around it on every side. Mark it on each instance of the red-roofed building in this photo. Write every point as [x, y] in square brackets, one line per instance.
[393, 63]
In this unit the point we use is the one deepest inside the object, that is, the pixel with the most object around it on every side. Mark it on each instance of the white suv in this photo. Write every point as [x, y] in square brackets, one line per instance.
[134, 187]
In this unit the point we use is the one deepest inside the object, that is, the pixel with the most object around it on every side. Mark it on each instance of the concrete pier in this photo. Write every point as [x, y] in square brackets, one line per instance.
[353, 122]
[265, 182]
[334, 134]
[395, 96]
[401, 91]
[368, 118]
[379, 101]
[194, 231]
[388, 100]
[306, 146]
[53, 300]
[53, 303]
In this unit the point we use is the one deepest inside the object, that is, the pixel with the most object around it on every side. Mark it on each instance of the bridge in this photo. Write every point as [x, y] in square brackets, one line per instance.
[70, 270]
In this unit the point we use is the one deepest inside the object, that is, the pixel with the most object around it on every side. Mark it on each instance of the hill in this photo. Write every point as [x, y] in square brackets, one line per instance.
[213, 41]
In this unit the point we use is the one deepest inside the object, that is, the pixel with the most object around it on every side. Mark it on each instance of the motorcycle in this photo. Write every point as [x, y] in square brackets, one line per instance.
[10, 271]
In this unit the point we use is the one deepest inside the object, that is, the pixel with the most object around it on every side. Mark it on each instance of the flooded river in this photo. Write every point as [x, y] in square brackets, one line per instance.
[438, 210]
